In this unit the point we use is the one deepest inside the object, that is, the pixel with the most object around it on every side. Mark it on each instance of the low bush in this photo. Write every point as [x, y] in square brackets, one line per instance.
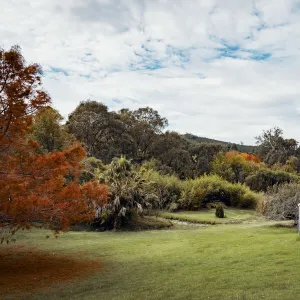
[282, 202]
[197, 193]
[173, 207]
[130, 194]
[220, 211]
[193, 194]
[213, 205]
[167, 188]
[263, 179]
[107, 220]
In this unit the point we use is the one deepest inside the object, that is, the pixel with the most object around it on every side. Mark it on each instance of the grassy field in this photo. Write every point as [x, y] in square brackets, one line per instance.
[208, 216]
[239, 261]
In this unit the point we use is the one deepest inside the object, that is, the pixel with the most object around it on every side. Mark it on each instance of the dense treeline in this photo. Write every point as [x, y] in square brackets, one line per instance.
[163, 169]
[227, 145]
[139, 136]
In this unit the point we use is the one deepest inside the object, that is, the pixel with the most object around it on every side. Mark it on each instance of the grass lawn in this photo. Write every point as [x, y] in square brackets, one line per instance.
[208, 216]
[239, 261]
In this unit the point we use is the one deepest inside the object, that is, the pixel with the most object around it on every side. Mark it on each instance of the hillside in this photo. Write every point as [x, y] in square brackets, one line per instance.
[239, 147]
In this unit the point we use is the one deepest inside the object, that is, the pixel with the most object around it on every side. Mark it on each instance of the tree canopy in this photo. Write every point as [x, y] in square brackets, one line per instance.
[36, 188]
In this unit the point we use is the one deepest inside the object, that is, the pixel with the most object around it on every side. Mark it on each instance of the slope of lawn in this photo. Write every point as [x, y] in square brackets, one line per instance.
[208, 216]
[240, 261]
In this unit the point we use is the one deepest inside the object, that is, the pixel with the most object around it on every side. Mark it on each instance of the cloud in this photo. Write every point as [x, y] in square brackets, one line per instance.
[220, 69]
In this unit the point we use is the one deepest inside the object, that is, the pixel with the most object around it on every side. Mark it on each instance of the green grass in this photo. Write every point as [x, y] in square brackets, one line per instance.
[208, 216]
[240, 261]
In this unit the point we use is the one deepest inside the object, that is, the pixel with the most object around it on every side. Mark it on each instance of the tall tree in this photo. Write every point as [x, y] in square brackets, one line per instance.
[99, 130]
[171, 149]
[150, 117]
[143, 125]
[21, 95]
[203, 155]
[273, 148]
[49, 133]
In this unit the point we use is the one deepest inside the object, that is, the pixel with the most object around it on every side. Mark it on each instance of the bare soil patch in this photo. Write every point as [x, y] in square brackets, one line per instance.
[24, 269]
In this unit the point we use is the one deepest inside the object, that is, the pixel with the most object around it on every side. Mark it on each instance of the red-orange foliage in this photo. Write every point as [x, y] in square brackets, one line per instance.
[36, 188]
[245, 156]
[20, 95]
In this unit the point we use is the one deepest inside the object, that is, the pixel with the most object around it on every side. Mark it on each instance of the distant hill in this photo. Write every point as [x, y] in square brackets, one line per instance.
[197, 139]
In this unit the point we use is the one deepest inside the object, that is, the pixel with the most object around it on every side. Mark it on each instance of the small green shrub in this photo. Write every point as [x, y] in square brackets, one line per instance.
[173, 207]
[220, 211]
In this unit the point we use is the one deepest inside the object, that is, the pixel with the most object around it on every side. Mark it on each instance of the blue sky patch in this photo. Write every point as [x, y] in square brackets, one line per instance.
[146, 60]
[181, 54]
[58, 70]
[235, 51]
[116, 100]
[85, 76]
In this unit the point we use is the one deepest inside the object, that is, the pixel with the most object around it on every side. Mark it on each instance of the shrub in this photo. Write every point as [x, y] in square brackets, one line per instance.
[108, 219]
[213, 205]
[220, 211]
[173, 207]
[92, 168]
[130, 193]
[197, 193]
[167, 188]
[282, 202]
[263, 179]
[194, 194]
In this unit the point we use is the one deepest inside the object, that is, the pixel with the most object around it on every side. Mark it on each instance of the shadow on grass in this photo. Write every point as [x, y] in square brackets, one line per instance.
[25, 269]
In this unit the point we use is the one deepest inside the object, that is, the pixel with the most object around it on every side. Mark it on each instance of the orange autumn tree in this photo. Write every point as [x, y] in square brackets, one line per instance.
[235, 166]
[36, 189]
[245, 156]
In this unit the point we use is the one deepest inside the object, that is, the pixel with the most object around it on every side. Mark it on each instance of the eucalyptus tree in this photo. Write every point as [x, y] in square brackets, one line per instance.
[273, 148]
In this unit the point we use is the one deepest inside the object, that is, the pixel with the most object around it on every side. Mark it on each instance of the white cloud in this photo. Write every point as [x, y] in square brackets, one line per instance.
[220, 69]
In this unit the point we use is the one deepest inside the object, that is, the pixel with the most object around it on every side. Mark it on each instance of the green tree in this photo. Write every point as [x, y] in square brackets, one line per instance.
[48, 131]
[203, 155]
[143, 127]
[273, 148]
[171, 149]
[234, 169]
[100, 131]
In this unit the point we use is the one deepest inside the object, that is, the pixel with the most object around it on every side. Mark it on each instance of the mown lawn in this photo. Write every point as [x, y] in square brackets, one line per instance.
[208, 216]
[241, 261]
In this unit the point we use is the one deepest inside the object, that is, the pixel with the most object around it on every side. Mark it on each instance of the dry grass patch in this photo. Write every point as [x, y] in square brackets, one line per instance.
[25, 269]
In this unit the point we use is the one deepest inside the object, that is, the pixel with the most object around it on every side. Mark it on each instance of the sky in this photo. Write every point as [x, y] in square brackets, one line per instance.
[223, 69]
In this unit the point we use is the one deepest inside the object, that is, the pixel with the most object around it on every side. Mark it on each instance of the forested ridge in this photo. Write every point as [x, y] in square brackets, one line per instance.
[230, 146]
